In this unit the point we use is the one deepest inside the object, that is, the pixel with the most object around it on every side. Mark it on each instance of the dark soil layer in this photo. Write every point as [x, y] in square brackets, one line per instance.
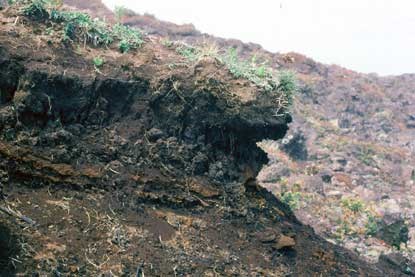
[138, 167]
[352, 138]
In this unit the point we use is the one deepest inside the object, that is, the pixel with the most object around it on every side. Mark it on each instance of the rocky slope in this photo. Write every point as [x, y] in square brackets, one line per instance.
[132, 166]
[347, 166]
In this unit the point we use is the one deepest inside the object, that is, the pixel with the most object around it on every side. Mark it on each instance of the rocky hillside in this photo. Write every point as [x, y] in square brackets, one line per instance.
[347, 165]
[120, 156]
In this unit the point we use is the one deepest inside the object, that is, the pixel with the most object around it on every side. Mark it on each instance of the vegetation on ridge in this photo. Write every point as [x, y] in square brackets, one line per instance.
[283, 82]
[81, 27]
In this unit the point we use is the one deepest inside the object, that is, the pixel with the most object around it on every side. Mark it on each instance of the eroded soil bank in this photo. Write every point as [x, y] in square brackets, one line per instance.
[141, 167]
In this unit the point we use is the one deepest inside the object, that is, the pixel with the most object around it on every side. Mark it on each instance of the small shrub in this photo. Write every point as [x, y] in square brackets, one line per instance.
[82, 26]
[98, 62]
[287, 83]
[354, 205]
[372, 226]
[292, 199]
[129, 38]
[37, 9]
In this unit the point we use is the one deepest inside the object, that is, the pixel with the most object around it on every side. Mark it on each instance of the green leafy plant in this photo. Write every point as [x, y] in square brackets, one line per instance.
[128, 37]
[81, 26]
[98, 62]
[292, 199]
[37, 9]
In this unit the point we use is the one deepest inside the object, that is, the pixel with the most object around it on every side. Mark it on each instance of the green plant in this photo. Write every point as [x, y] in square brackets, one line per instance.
[119, 13]
[189, 52]
[237, 67]
[128, 37]
[287, 83]
[37, 9]
[98, 62]
[167, 42]
[371, 226]
[292, 199]
[354, 205]
[366, 155]
[259, 74]
[78, 26]
[343, 229]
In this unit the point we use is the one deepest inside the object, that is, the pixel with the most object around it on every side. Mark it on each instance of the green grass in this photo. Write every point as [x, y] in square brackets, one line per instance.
[259, 74]
[372, 226]
[81, 27]
[284, 83]
[191, 53]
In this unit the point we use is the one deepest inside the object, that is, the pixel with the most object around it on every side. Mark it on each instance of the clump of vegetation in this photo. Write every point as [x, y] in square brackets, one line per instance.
[292, 199]
[354, 205]
[78, 26]
[287, 83]
[189, 52]
[358, 218]
[366, 155]
[128, 37]
[372, 226]
[262, 75]
[167, 43]
[36, 9]
[98, 62]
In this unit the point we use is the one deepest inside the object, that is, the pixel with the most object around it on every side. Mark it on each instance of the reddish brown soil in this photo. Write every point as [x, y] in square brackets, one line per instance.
[139, 167]
[358, 143]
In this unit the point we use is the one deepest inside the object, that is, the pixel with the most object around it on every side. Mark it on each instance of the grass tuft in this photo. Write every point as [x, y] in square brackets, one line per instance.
[80, 27]
[283, 83]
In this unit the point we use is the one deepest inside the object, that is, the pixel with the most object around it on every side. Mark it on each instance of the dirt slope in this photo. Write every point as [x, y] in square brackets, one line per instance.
[351, 143]
[141, 167]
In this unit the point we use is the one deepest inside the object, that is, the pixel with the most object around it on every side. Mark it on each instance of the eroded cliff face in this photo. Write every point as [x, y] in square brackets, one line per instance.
[357, 130]
[141, 167]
